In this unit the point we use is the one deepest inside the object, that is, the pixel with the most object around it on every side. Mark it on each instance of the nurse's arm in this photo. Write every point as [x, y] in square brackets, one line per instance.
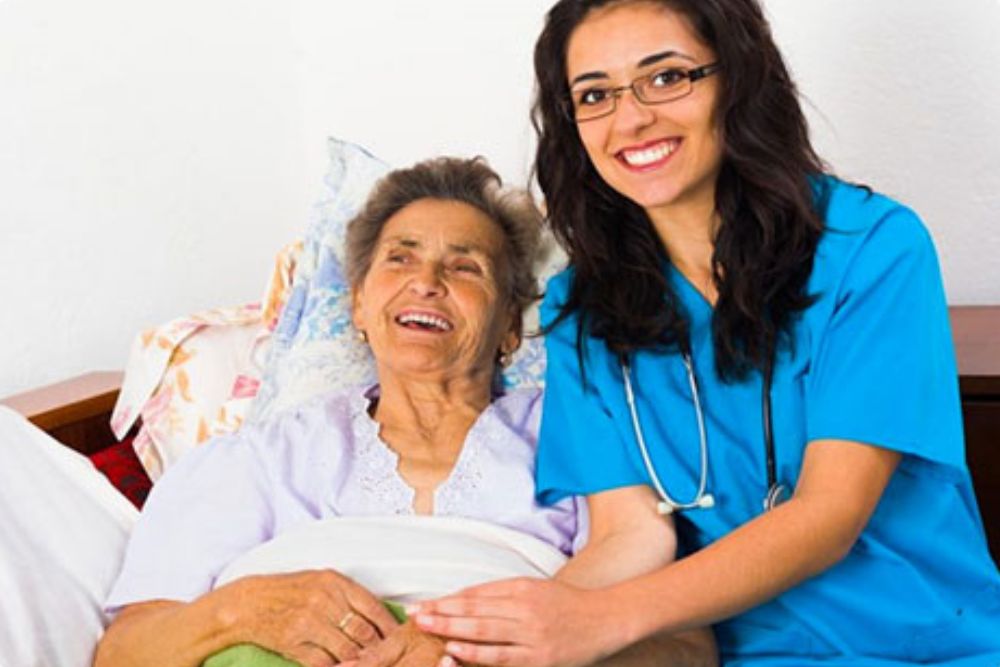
[839, 487]
[628, 538]
[546, 623]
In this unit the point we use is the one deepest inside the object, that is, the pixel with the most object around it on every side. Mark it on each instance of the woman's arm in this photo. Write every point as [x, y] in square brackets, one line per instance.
[298, 616]
[839, 487]
[628, 538]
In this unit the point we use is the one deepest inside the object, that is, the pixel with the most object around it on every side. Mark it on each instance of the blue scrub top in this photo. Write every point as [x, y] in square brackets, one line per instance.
[872, 361]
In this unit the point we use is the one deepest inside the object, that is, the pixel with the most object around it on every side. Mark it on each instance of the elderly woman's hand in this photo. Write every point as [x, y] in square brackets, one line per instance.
[316, 618]
[407, 646]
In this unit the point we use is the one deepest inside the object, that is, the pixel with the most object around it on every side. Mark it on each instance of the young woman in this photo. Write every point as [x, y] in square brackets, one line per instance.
[757, 349]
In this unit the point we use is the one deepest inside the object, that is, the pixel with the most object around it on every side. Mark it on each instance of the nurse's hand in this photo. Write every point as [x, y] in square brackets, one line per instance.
[524, 622]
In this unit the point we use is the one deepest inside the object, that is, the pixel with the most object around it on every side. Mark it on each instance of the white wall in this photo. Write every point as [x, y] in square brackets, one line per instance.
[155, 156]
[904, 95]
[150, 165]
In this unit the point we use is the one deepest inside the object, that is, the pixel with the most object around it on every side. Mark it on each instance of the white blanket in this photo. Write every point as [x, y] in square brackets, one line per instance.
[63, 530]
[403, 558]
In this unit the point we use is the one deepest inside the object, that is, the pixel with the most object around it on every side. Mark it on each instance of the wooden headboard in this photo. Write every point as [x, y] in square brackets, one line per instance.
[77, 411]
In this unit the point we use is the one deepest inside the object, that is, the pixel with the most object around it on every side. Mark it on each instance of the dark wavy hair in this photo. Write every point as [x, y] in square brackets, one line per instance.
[765, 199]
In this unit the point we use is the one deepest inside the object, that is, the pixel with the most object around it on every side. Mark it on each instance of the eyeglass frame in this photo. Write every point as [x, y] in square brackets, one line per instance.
[692, 75]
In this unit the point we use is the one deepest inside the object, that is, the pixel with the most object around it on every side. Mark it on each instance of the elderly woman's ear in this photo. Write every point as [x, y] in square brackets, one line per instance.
[511, 340]
[356, 312]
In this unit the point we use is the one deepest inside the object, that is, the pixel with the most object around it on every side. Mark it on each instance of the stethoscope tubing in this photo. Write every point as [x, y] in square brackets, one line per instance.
[668, 505]
[776, 492]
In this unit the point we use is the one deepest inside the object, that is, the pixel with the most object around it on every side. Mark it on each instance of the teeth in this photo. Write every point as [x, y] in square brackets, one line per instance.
[426, 320]
[649, 155]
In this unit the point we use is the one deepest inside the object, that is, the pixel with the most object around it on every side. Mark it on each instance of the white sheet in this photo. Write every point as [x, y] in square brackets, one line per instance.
[403, 558]
[63, 530]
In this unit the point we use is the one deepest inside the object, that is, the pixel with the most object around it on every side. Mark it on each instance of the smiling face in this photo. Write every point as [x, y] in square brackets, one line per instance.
[431, 303]
[664, 157]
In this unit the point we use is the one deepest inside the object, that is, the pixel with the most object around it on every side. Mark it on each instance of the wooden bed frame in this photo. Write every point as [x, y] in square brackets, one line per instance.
[77, 412]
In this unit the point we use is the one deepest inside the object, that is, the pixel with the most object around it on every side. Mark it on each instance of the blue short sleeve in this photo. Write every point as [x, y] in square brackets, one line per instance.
[580, 450]
[883, 369]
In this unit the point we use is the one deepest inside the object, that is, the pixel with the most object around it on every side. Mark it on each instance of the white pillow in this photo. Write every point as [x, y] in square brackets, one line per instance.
[63, 530]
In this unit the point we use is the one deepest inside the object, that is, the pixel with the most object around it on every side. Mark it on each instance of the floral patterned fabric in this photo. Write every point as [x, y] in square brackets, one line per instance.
[314, 348]
[195, 377]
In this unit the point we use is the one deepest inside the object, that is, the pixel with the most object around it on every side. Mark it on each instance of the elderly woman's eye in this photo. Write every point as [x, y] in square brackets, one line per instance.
[467, 267]
[667, 77]
[397, 257]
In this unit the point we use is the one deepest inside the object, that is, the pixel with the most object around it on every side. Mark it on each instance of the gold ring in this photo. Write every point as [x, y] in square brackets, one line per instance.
[342, 626]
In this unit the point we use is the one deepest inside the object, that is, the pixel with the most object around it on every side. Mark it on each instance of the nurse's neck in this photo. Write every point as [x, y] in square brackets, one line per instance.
[688, 235]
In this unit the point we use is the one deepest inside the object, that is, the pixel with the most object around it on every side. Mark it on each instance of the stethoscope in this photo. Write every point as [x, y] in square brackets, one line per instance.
[776, 492]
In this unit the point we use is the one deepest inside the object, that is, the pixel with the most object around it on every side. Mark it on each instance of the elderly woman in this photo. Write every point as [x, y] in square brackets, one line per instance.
[440, 266]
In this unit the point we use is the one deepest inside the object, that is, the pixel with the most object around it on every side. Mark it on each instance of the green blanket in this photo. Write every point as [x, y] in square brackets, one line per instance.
[251, 655]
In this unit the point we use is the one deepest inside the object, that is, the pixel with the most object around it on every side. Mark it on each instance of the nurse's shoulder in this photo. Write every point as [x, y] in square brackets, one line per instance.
[866, 235]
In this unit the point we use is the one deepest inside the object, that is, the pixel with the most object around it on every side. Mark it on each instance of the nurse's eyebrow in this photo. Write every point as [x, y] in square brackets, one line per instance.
[663, 55]
[645, 62]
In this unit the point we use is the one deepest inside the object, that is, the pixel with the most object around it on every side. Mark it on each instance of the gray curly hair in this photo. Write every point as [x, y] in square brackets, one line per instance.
[470, 181]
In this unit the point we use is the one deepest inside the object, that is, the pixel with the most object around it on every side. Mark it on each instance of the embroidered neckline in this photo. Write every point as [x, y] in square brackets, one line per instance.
[379, 464]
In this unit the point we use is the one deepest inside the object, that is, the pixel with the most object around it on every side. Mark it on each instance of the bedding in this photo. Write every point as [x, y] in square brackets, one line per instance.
[63, 530]
[119, 463]
[314, 348]
[194, 377]
[401, 559]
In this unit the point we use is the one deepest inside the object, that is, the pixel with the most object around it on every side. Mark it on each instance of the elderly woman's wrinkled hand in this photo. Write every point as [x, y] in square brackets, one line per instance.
[316, 618]
[407, 646]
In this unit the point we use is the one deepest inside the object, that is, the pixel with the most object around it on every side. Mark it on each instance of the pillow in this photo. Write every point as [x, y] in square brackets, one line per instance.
[315, 349]
[63, 535]
[195, 377]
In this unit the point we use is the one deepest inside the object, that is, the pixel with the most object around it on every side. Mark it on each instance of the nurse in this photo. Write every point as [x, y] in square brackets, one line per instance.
[785, 336]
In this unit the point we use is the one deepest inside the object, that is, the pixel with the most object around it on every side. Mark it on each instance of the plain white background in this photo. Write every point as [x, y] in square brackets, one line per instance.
[155, 156]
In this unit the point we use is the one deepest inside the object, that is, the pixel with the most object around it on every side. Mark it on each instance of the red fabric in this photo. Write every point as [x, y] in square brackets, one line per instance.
[119, 464]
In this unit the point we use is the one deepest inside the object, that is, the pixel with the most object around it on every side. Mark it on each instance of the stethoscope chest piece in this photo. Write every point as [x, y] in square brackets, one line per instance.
[777, 493]
[705, 501]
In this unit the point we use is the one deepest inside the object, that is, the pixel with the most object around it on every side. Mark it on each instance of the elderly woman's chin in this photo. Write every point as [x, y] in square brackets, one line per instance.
[431, 361]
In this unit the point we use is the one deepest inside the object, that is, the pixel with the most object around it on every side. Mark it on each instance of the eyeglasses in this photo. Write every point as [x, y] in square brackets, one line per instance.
[665, 85]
